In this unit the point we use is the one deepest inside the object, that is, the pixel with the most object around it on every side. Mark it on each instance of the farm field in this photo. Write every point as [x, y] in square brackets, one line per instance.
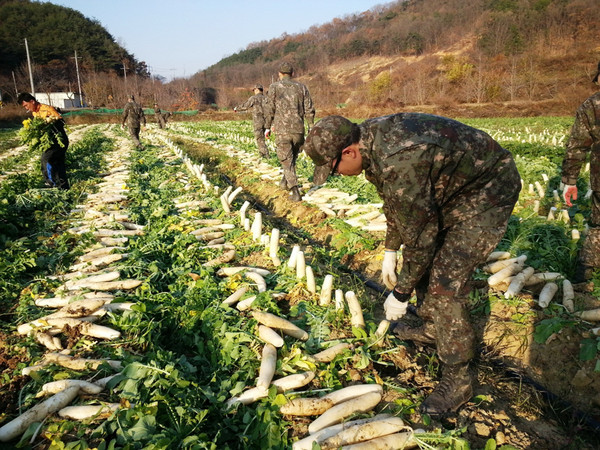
[179, 350]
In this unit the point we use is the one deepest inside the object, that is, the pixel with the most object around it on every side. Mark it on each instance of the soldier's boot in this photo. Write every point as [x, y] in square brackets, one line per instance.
[424, 334]
[296, 197]
[454, 390]
[283, 184]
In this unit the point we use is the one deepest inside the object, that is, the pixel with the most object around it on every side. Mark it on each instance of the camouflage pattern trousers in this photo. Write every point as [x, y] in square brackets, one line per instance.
[445, 287]
[590, 252]
[134, 132]
[259, 135]
[288, 147]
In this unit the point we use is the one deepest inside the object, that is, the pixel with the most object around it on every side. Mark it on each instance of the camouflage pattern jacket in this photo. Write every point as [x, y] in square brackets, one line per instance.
[585, 137]
[288, 104]
[133, 115]
[433, 173]
[256, 104]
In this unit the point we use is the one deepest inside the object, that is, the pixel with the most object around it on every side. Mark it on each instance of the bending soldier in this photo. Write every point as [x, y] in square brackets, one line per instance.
[584, 139]
[134, 116]
[448, 191]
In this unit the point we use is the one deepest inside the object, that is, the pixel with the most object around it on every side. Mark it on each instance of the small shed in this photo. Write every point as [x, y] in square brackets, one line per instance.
[63, 100]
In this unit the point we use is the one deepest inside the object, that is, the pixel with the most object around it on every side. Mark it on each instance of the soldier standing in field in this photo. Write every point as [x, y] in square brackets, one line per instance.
[256, 104]
[584, 139]
[448, 191]
[288, 104]
[134, 116]
[53, 159]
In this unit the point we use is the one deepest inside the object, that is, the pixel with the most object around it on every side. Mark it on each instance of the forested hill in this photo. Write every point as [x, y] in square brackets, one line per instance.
[418, 52]
[53, 35]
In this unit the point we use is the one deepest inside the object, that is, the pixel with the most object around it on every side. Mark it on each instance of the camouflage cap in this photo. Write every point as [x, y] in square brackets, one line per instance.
[286, 68]
[328, 138]
[597, 74]
[258, 86]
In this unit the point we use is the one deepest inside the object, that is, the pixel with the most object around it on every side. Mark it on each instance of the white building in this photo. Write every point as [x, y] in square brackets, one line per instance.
[63, 100]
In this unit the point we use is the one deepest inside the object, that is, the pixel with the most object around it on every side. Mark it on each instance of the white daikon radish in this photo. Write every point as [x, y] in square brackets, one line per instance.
[233, 195]
[503, 274]
[268, 364]
[354, 391]
[245, 304]
[547, 293]
[82, 283]
[293, 381]
[293, 257]
[590, 314]
[356, 315]
[568, 296]
[274, 243]
[300, 265]
[325, 297]
[71, 362]
[321, 435]
[243, 212]
[248, 397]
[47, 341]
[364, 432]
[17, 426]
[224, 203]
[496, 266]
[79, 308]
[256, 228]
[280, 323]
[270, 336]
[261, 284]
[495, 256]
[575, 234]
[83, 412]
[542, 277]
[403, 440]
[102, 251]
[339, 412]
[310, 280]
[228, 271]
[235, 297]
[518, 282]
[54, 387]
[330, 353]
[306, 406]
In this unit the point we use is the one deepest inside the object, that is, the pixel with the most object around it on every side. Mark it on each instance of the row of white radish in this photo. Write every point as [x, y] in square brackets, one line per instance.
[78, 309]
[335, 407]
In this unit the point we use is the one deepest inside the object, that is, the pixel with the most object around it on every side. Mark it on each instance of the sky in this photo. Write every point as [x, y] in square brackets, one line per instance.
[177, 38]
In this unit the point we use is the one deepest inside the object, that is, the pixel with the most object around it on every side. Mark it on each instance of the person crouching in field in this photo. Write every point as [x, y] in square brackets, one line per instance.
[448, 191]
[53, 158]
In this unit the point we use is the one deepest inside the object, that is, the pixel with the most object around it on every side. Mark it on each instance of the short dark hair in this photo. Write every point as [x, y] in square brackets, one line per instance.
[25, 97]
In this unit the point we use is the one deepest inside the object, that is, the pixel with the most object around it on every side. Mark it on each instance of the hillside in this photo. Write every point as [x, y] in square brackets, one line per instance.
[54, 33]
[483, 57]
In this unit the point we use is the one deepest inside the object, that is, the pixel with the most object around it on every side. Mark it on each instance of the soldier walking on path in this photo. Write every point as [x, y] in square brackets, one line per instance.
[288, 105]
[584, 139]
[256, 104]
[134, 116]
[448, 191]
[53, 158]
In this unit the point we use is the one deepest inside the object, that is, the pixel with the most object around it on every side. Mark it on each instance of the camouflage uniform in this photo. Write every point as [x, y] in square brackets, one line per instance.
[134, 115]
[448, 191]
[161, 118]
[288, 104]
[256, 103]
[584, 139]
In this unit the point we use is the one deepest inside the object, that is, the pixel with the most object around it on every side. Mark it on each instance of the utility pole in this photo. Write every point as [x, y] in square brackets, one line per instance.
[15, 83]
[78, 80]
[29, 66]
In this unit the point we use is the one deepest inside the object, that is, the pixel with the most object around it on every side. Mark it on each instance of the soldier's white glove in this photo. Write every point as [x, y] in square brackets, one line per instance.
[388, 268]
[570, 194]
[394, 309]
[267, 133]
